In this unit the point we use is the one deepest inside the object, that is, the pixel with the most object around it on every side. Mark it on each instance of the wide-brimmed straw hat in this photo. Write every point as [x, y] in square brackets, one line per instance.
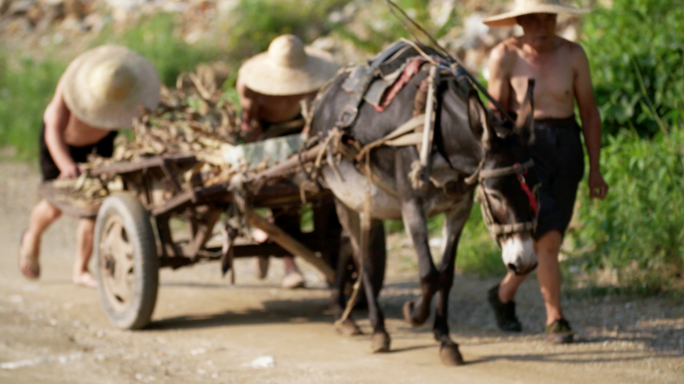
[287, 68]
[105, 86]
[526, 7]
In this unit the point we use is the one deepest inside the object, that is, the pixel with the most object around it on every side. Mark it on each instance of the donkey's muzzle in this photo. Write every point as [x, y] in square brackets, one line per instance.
[518, 254]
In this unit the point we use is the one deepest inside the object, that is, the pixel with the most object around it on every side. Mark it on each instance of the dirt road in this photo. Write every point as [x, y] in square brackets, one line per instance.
[206, 330]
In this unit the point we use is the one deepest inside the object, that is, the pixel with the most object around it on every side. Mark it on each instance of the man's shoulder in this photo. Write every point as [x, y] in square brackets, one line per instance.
[506, 50]
[571, 47]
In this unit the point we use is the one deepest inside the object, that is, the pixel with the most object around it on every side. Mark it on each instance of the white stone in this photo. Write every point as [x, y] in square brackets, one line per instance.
[263, 362]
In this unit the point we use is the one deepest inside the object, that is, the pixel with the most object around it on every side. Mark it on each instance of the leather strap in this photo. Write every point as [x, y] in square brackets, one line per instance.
[512, 170]
[351, 110]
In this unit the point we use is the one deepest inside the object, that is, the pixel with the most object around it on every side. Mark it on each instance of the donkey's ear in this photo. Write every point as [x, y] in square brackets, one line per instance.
[479, 122]
[524, 125]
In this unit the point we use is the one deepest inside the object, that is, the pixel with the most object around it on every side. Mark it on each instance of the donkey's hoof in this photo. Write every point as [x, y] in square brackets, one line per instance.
[450, 355]
[380, 342]
[348, 328]
[408, 315]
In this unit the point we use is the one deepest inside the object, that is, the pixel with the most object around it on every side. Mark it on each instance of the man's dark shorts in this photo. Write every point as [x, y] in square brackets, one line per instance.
[49, 169]
[559, 161]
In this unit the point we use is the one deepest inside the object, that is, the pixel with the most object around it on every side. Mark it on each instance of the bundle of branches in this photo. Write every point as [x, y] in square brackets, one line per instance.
[194, 118]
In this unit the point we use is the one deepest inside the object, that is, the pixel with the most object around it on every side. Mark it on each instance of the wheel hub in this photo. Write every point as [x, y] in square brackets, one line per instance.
[116, 261]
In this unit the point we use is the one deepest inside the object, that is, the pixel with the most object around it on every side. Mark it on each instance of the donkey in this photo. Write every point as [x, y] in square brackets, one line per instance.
[466, 145]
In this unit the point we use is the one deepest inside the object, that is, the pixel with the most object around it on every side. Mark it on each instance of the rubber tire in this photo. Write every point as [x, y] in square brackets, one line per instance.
[145, 260]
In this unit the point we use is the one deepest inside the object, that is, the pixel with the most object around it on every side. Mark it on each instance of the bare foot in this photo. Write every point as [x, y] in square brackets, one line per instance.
[85, 279]
[293, 280]
[28, 260]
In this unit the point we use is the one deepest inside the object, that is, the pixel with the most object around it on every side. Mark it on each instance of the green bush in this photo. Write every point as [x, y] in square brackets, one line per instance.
[374, 27]
[255, 23]
[637, 58]
[638, 230]
[477, 253]
[155, 39]
[26, 87]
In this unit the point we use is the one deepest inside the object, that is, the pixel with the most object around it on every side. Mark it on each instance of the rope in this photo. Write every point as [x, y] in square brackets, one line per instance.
[363, 246]
[403, 129]
[505, 171]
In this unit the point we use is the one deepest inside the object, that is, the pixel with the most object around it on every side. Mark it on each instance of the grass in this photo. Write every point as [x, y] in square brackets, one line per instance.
[26, 87]
[155, 38]
[477, 252]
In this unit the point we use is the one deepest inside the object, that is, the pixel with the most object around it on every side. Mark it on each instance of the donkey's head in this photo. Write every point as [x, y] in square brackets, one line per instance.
[508, 186]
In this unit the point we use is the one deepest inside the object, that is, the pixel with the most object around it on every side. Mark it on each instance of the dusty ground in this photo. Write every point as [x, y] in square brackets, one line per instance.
[206, 330]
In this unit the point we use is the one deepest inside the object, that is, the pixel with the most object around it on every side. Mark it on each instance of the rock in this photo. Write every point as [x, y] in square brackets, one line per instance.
[441, 11]
[23, 363]
[35, 13]
[263, 362]
[126, 5]
[74, 8]
[72, 25]
[225, 7]
[4, 6]
[18, 27]
[198, 351]
[94, 22]
[20, 7]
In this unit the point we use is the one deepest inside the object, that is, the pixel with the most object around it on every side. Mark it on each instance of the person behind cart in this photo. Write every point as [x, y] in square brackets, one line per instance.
[101, 92]
[271, 87]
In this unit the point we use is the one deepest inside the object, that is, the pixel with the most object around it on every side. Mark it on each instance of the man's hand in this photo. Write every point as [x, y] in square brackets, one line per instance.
[597, 186]
[69, 172]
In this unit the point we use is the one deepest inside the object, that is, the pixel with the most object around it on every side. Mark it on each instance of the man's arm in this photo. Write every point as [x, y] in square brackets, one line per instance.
[501, 63]
[56, 118]
[591, 121]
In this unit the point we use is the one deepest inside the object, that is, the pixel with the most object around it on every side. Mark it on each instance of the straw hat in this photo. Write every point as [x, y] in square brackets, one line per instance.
[526, 7]
[105, 86]
[287, 68]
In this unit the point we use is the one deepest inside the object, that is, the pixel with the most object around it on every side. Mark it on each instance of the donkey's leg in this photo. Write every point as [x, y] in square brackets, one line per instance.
[381, 339]
[417, 311]
[351, 224]
[343, 278]
[451, 232]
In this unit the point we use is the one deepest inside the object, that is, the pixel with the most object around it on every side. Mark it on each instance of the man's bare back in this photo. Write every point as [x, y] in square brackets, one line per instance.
[80, 134]
[74, 132]
[64, 129]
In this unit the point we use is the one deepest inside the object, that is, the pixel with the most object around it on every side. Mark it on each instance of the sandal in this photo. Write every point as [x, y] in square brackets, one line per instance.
[503, 312]
[28, 264]
[559, 332]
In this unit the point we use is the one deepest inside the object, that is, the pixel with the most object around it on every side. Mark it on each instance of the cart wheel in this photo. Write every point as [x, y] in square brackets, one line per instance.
[126, 261]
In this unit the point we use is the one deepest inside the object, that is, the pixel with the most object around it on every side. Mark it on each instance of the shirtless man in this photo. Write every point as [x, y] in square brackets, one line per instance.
[271, 87]
[99, 93]
[562, 75]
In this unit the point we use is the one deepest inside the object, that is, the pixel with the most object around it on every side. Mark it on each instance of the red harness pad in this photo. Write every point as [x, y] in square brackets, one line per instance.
[411, 70]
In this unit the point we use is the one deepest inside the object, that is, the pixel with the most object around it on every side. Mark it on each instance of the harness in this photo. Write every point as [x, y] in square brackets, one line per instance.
[497, 230]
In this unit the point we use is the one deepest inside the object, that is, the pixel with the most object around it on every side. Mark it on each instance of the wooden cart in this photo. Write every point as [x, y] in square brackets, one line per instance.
[134, 235]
